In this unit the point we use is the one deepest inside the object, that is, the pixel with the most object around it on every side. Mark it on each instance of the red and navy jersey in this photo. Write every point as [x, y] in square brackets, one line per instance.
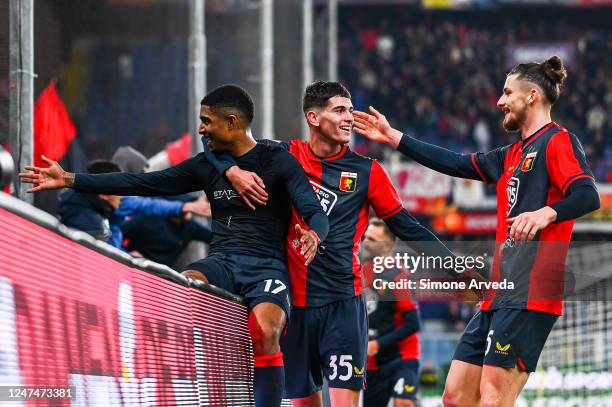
[530, 174]
[347, 185]
[392, 318]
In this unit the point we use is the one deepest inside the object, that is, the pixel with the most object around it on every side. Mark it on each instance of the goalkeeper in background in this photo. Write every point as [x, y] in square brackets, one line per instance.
[543, 183]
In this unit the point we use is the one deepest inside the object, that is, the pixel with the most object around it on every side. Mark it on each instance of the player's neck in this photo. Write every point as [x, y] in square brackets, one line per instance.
[242, 146]
[323, 147]
[536, 121]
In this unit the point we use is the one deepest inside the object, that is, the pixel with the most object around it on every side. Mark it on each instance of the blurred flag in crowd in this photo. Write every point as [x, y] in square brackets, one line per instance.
[53, 128]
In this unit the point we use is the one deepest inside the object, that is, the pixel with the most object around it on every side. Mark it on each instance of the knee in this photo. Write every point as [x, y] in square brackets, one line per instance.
[455, 398]
[490, 398]
[265, 337]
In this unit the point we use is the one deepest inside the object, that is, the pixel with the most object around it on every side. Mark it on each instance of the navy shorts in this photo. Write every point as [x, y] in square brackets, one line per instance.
[328, 341]
[398, 379]
[505, 338]
[255, 278]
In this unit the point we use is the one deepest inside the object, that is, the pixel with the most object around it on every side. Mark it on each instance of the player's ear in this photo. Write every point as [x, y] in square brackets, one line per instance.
[232, 122]
[312, 118]
[532, 96]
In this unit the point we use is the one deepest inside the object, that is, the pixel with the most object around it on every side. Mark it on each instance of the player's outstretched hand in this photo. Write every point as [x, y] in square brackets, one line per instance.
[200, 207]
[53, 177]
[309, 242]
[376, 127]
[526, 225]
[248, 185]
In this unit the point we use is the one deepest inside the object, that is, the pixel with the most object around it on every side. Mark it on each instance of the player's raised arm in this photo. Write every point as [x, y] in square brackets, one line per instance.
[479, 166]
[175, 180]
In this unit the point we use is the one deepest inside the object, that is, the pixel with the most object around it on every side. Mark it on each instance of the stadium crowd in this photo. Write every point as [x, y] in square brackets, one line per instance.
[438, 77]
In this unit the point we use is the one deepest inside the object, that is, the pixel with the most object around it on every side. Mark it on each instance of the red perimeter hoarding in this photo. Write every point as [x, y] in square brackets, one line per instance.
[73, 316]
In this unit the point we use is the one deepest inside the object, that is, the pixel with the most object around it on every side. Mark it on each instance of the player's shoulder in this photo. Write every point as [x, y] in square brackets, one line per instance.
[273, 145]
[360, 159]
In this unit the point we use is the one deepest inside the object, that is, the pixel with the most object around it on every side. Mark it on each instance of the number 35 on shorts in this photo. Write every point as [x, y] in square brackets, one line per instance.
[341, 366]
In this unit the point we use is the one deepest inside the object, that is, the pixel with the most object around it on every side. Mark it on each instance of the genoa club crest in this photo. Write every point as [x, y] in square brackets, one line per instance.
[528, 163]
[348, 181]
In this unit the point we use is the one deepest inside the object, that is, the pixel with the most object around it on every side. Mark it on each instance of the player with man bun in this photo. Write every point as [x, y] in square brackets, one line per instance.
[543, 183]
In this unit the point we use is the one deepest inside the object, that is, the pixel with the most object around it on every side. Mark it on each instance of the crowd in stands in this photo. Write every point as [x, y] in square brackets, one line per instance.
[439, 76]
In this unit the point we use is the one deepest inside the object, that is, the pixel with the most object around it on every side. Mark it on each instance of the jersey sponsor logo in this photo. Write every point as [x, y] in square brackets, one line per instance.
[358, 372]
[326, 197]
[409, 389]
[502, 350]
[528, 163]
[512, 192]
[348, 181]
[225, 193]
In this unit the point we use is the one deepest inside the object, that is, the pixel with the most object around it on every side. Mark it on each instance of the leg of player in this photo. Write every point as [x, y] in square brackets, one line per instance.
[314, 400]
[462, 385]
[344, 397]
[500, 386]
[266, 323]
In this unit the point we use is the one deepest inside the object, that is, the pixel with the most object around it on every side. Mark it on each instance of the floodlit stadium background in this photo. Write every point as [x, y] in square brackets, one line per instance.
[131, 72]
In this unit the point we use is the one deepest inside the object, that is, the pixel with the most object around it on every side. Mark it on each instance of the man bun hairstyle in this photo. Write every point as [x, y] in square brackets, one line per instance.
[231, 97]
[318, 93]
[548, 75]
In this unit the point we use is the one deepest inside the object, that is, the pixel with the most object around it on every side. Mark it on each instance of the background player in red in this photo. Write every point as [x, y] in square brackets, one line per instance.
[543, 183]
[327, 331]
[393, 346]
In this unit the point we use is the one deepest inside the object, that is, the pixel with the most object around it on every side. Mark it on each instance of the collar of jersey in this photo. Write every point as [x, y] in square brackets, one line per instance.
[538, 133]
[339, 154]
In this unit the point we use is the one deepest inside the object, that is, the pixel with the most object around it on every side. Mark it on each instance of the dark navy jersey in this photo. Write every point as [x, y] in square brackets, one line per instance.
[236, 228]
[347, 185]
[392, 317]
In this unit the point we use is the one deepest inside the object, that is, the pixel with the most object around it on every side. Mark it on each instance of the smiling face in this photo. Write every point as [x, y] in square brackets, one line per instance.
[335, 120]
[215, 127]
[514, 102]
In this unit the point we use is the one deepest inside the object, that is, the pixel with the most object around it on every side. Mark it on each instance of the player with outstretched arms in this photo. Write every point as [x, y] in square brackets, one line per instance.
[543, 183]
[247, 255]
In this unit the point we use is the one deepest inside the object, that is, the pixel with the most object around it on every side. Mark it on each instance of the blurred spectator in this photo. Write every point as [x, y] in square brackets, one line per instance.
[163, 239]
[133, 208]
[90, 212]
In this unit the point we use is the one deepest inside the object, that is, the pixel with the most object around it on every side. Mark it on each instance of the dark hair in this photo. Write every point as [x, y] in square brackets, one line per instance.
[386, 230]
[549, 75]
[319, 92]
[233, 97]
[101, 167]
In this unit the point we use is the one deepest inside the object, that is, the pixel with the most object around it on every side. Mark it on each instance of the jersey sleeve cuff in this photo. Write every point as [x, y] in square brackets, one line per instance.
[477, 168]
[569, 181]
